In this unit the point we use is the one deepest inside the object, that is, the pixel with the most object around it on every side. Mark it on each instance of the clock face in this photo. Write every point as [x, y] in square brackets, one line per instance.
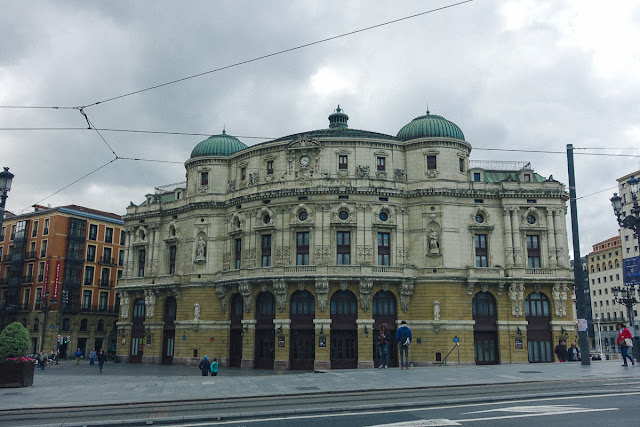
[304, 160]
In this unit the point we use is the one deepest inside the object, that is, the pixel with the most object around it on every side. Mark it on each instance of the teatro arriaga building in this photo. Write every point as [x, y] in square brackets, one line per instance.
[290, 254]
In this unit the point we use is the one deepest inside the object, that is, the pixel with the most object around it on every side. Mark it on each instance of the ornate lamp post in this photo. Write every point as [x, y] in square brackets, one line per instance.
[46, 306]
[630, 222]
[6, 178]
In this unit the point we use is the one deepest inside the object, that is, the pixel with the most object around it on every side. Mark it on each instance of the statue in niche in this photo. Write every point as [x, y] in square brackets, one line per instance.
[196, 311]
[434, 246]
[436, 310]
[201, 251]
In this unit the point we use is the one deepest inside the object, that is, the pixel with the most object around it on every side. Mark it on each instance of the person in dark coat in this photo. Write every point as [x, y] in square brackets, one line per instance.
[102, 357]
[561, 350]
[573, 353]
[205, 366]
[383, 346]
[404, 338]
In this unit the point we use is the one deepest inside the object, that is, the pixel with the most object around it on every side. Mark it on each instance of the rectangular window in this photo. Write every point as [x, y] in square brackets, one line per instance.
[533, 251]
[172, 259]
[104, 278]
[302, 248]
[88, 276]
[476, 176]
[431, 162]
[238, 258]
[43, 251]
[343, 162]
[108, 235]
[204, 178]
[381, 163]
[141, 261]
[269, 167]
[343, 247]
[91, 253]
[122, 237]
[86, 300]
[461, 165]
[527, 177]
[93, 232]
[243, 173]
[106, 256]
[41, 272]
[121, 258]
[104, 298]
[34, 232]
[481, 250]
[32, 250]
[384, 248]
[25, 299]
[2, 233]
[266, 250]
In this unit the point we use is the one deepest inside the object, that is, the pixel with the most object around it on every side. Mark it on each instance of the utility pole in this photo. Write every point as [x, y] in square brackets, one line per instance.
[583, 338]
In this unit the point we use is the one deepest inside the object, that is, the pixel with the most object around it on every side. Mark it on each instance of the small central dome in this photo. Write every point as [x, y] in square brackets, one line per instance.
[218, 145]
[338, 119]
[430, 126]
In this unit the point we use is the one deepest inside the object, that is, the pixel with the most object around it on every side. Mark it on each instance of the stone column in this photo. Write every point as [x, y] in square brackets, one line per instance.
[560, 236]
[508, 238]
[323, 332]
[131, 254]
[248, 344]
[517, 248]
[551, 239]
[365, 337]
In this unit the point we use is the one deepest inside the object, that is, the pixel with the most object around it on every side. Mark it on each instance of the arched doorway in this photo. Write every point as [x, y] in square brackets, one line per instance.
[344, 333]
[137, 331]
[236, 332]
[536, 311]
[169, 330]
[265, 330]
[485, 329]
[383, 310]
[302, 348]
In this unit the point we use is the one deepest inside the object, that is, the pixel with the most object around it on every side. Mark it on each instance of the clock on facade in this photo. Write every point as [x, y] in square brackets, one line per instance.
[304, 161]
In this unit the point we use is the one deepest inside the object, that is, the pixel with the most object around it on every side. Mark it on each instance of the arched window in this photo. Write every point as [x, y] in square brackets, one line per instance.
[265, 306]
[344, 303]
[483, 306]
[598, 267]
[303, 303]
[36, 324]
[66, 324]
[100, 325]
[170, 308]
[384, 304]
[536, 305]
[83, 324]
[617, 264]
[236, 309]
[138, 309]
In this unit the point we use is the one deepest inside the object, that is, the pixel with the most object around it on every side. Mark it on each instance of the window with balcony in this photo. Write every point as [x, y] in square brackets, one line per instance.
[533, 251]
[102, 304]
[93, 232]
[269, 167]
[381, 164]
[91, 253]
[41, 272]
[384, 248]
[86, 300]
[343, 248]
[88, 275]
[121, 258]
[266, 250]
[481, 250]
[106, 256]
[108, 235]
[238, 253]
[343, 162]
[172, 259]
[104, 277]
[302, 248]
[43, 249]
[34, 232]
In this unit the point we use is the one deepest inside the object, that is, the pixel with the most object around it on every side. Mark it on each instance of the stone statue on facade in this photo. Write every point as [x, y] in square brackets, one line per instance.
[124, 305]
[150, 302]
[201, 251]
[196, 311]
[436, 310]
[434, 245]
[516, 296]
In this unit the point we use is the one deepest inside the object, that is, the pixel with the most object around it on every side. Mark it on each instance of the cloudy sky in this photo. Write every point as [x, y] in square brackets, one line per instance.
[525, 75]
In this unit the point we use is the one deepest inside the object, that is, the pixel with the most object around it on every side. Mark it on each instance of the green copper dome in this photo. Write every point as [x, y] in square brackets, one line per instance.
[430, 126]
[218, 145]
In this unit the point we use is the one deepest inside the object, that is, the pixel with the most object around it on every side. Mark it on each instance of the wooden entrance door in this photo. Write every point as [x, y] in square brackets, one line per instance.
[302, 350]
[485, 329]
[169, 331]
[137, 332]
[236, 332]
[538, 315]
[383, 310]
[344, 333]
[265, 331]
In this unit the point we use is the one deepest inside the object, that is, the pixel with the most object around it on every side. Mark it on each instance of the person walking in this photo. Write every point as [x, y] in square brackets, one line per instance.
[573, 353]
[92, 357]
[102, 358]
[39, 360]
[561, 350]
[625, 341]
[78, 356]
[205, 366]
[214, 367]
[383, 346]
[43, 357]
[404, 338]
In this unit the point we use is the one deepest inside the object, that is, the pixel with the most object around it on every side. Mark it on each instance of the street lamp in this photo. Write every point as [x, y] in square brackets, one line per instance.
[6, 178]
[630, 222]
[46, 306]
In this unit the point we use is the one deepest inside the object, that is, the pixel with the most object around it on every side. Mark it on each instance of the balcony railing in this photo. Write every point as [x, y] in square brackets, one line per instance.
[40, 277]
[31, 255]
[539, 272]
[107, 261]
[27, 279]
[386, 269]
[106, 283]
[300, 269]
[97, 308]
[43, 253]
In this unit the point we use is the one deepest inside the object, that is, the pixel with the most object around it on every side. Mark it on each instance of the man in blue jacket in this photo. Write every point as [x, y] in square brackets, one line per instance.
[403, 338]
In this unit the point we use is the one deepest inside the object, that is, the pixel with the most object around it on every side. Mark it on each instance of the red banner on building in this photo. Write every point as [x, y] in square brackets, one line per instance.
[55, 290]
[46, 277]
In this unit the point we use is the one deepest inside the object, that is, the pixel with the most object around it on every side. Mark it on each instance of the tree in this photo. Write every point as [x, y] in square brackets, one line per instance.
[14, 341]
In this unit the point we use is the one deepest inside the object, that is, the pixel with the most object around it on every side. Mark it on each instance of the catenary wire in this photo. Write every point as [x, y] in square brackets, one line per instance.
[278, 53]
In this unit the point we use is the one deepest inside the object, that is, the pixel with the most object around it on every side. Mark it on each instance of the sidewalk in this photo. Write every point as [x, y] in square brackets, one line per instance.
[70, 385]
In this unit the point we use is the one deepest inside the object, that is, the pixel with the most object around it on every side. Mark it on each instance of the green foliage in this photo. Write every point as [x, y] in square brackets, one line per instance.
[14, 341]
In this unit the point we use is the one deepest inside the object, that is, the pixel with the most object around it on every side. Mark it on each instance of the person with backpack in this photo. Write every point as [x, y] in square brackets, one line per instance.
[214, 367]
[383, 346]
[403, 338]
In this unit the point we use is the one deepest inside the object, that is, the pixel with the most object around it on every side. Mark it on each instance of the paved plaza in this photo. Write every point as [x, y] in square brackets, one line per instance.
[68, 384]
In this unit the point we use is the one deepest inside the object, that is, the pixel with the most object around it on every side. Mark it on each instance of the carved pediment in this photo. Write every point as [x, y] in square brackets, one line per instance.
[303, 142]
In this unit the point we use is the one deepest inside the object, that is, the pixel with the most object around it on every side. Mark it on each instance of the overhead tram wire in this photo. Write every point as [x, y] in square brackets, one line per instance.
[281, 52]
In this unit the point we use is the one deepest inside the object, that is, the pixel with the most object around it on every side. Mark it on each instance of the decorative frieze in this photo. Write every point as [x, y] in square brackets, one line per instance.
[559, 295]
[516, 297]
[362, 172]
[221, 292]
[365, 288]
[280, 289]
[322, 292]
[246, 290]
[406, 291]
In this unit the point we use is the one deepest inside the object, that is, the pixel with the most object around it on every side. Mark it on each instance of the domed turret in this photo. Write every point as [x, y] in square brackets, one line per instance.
[218, 145]
[338, 119]
[430, 126]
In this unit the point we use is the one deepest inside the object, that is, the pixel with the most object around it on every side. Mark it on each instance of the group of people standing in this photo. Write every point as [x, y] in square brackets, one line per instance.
[207, 367]
[624, 342]
[403, 338]
[93, 355]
